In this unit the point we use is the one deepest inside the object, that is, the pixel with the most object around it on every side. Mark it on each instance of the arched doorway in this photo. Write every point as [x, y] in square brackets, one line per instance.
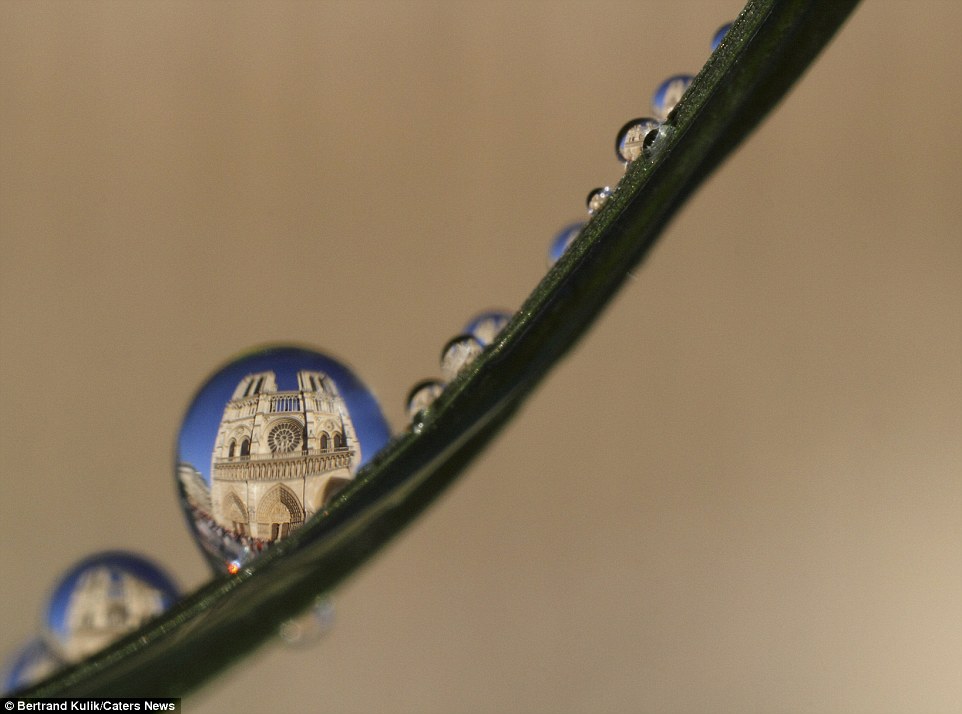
[278, 513]
[236, 512]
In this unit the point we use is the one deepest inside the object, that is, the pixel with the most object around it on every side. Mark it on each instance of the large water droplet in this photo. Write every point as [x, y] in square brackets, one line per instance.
[720, 35]
[102, 598]
[268, 440]
[565, 237]
[457, 354]
[668, 94]
[422, 395]
[597, 199]
[628, 143]
[31, 663]
[486, 326]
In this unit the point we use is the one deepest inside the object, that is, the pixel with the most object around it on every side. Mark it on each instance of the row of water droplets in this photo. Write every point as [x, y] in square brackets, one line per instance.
[636, 139]
[460, 351]
[109, 594]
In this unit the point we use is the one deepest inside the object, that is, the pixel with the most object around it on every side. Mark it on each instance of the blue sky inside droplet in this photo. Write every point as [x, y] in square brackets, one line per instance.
[198, 432]
[562, 240]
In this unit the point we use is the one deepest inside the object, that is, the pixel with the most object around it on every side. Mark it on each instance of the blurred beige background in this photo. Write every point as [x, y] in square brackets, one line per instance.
[742, 492]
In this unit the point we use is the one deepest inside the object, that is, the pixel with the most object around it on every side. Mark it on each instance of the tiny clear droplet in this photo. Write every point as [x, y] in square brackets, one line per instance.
[668, 94]
[657, 140]
[422, 395]
[31, 663]
[565, 237]
[458, 354]
[101, 599]
[310, 626]
[720, 35]
[628, 143]
[268, 440]
[486, 326]
[597, 198]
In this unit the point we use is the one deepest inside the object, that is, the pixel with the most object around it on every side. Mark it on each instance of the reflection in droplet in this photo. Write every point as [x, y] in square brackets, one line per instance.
[668, 94]
[628, 143]
[657, 140]
[720, 35]
[565, 237]
[486, 326]
[422, 395]
[310, 626]
[458, 354]
[268, 441]
[31, 663]
[102, 598]
[597, 198]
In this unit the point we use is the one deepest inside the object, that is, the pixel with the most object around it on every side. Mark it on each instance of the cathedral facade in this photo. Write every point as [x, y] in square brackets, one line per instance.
[105, 604]
[279, 456]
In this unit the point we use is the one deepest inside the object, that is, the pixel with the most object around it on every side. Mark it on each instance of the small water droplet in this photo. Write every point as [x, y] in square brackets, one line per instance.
[422, 395]
[486, 326]
[310, 626]
[597, 198]
[628, 143]
[266, 443]
[720, 35]
[102, 598]
[656, 141]
[31, 663]
[565, 237]
[668, 94]
[457, 354]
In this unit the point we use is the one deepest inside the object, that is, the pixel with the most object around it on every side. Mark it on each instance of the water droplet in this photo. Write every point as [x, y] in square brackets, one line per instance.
[31, 663]
[657, 140]
[598, 198]
[268, 440]
[457, 354]
[486, 326]
[102, 598]
[628, 143]
[310, 626]
[720, 35]
[668, 94]
[562, 240]
[422, 395]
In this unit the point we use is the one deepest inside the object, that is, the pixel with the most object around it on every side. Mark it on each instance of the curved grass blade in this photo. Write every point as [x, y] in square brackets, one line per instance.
[766, 50]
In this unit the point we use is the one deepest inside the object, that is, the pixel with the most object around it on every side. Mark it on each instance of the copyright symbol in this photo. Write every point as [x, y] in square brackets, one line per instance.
[9, 705]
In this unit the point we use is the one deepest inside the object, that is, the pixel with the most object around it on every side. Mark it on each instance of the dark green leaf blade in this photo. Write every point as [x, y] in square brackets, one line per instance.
[768, 48]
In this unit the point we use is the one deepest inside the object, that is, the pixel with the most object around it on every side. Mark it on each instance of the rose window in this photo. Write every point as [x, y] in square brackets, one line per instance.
[284, 438]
